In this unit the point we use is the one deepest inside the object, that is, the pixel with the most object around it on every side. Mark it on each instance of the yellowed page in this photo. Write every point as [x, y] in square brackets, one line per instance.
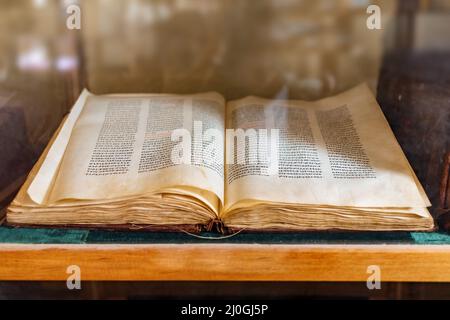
[342, 153]
[121, 146]
[41, 184]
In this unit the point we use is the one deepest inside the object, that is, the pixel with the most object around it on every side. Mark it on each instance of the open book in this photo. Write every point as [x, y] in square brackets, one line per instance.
[193, 162]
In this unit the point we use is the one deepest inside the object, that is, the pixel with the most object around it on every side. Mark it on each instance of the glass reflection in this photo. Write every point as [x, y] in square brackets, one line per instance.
[309, 48]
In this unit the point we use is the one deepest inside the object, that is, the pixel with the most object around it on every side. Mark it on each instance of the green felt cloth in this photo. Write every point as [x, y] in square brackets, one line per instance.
[77, 236]
[29, 235]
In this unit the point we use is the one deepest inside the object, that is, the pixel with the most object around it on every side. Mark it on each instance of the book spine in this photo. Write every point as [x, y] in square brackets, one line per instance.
[216, 225]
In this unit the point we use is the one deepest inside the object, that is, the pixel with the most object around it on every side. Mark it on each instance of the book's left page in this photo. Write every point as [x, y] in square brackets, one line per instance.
[124, 145]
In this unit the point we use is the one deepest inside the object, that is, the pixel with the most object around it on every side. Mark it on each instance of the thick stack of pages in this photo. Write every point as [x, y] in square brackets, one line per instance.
[179, 162]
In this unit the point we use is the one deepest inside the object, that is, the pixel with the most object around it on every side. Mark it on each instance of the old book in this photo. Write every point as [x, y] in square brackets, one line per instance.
[191, 162]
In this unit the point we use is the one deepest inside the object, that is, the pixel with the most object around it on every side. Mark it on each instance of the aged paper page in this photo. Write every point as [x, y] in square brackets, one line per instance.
[42, 182]
[338, 151]
[121, 145]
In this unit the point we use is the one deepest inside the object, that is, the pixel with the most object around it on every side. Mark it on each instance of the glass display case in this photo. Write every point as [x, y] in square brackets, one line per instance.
[276, 49]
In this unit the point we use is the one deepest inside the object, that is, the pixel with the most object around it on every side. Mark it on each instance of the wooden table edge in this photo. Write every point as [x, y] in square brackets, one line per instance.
[225, 262]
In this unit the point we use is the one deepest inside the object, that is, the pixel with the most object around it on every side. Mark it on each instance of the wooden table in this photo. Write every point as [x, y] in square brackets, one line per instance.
[109, 255]
[236, 51]
[244, 262]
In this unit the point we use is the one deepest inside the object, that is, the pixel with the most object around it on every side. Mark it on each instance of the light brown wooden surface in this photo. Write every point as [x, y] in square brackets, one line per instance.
[227, 262]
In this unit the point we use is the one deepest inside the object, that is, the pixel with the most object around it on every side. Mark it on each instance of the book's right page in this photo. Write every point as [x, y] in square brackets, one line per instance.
[339, 151]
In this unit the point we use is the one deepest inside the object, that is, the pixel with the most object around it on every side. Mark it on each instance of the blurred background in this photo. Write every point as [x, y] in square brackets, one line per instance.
[236, 47]
[292, 49]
